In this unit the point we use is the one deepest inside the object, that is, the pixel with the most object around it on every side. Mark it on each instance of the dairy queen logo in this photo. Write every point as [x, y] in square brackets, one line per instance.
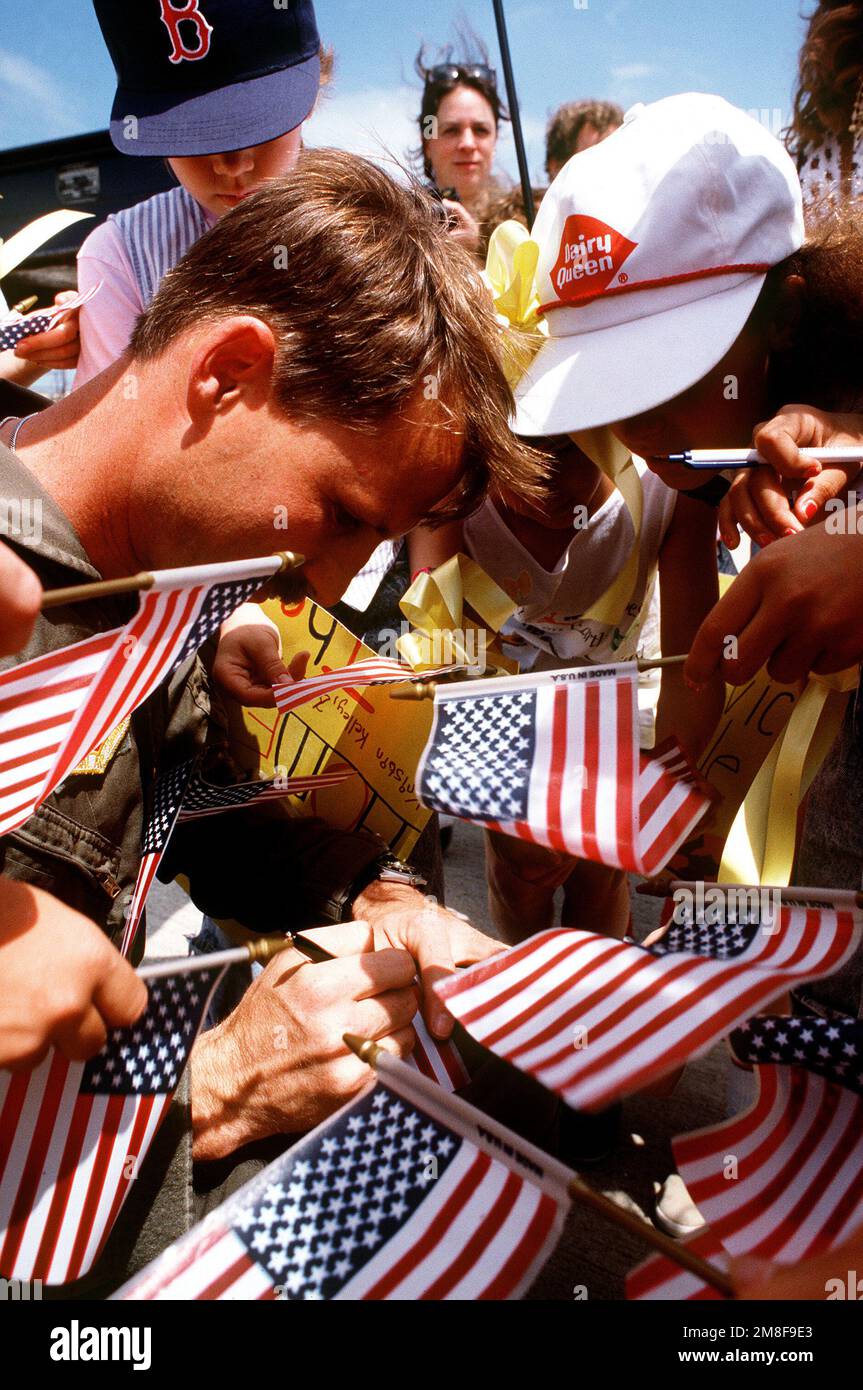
[591, 255]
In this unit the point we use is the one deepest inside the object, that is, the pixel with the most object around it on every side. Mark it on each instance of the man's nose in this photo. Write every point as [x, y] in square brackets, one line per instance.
[233, 163]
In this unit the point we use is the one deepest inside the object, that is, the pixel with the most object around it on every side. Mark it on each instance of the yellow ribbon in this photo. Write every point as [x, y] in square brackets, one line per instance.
[34, 235]
[615, 460]
[441, 607]
[761, 842]
[510, 274]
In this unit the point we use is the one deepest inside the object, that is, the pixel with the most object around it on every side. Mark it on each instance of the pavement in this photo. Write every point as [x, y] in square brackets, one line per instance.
[593, 1257]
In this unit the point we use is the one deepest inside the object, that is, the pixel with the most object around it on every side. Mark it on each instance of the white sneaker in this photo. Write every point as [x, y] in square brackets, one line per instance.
[675, 1213]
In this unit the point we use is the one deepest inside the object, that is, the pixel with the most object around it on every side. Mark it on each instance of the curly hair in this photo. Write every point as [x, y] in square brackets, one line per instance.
[831, 66]
[822, 364]
[569, 120]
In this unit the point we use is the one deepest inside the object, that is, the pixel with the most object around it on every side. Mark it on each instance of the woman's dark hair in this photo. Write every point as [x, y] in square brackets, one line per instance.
[831, 66]
[822, 364]
[475, 54]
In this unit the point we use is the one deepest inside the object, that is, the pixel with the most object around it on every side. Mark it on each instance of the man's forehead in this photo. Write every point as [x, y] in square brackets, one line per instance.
[413, 465]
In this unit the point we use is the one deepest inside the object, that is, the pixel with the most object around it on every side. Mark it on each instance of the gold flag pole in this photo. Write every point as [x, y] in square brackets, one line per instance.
[252, 952]
[424, 690]
[134, 583]
[413, 1087]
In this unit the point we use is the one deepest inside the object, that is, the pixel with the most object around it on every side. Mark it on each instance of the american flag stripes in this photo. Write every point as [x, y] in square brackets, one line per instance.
[554, 758]
[73, 1134]
[387, 1200]
[594, 1018]
[56, 708]
[439, 1061]
[183, 794]
[795, 1187]
[167, 801]
[372, 670]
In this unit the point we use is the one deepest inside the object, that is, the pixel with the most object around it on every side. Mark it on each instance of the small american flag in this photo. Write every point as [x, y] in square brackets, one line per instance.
[372, 670]
[554, 758]
[56, 708]
[381, 1202]
[73, 1134]
[594, 1018]
[183, 794]
[12, 330]
[784, 1180]
[439, 1061]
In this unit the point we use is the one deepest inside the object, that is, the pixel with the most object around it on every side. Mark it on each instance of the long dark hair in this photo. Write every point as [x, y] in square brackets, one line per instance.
[822, 365]
[475, 52]
[831, 66]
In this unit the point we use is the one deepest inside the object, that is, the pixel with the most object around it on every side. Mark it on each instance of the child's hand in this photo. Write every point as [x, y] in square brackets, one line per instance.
[794, 607]
[760, 499]
[249, 658]
[58, 347]
[63, 983]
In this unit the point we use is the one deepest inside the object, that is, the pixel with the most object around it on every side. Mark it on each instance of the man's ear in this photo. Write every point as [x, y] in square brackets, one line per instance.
[785, 322]
[232, 362]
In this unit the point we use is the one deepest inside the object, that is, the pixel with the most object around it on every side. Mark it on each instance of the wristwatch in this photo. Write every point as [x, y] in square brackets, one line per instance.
[385, 869]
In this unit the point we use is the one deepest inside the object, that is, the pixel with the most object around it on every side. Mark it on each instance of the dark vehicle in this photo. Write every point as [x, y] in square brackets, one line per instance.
[83, 172]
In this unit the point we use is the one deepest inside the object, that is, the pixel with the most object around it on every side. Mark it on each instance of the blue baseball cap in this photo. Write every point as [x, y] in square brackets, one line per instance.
[207, 76]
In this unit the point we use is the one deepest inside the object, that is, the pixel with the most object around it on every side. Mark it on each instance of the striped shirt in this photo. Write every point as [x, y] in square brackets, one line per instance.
[131, 253]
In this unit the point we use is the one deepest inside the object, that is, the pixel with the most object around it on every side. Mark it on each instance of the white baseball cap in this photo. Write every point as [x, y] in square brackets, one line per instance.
[654, 245]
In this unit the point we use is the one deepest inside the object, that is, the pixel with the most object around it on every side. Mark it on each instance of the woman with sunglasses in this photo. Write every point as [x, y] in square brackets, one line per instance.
[459, 120]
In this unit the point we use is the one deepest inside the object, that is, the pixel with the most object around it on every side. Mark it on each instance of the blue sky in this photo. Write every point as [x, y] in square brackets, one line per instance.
[56, 78]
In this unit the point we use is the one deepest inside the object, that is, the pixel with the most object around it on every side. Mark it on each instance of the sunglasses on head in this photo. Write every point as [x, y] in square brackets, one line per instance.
[451, 72]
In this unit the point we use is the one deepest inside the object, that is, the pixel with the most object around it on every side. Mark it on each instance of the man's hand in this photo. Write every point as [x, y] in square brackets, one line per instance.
[278, 1064]
[249, 658]
[62, 983]
[20, 596]
[796, 606]
[438, 940]
[760, 499]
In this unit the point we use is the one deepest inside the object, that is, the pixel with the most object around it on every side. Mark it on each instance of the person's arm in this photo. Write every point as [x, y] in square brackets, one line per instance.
[429, 547]
[62, 983]
[789, 492]
[21, 596]
[106, 320]
[822, 1276]
[796, 607]
[688, 589]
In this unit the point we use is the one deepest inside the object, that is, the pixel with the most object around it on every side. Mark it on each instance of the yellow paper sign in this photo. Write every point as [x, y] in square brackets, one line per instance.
[380, 738]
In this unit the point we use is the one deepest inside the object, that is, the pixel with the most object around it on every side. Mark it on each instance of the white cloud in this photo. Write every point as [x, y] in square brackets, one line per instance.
[629, 72]
[28, 83]
[378, 122]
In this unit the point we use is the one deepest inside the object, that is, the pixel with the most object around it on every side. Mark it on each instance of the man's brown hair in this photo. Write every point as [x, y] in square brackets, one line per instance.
[372, 305]
[569, 120]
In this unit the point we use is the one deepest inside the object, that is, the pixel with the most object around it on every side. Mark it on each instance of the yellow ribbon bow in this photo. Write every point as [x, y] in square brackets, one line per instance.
[457, 611]
[510, 274]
